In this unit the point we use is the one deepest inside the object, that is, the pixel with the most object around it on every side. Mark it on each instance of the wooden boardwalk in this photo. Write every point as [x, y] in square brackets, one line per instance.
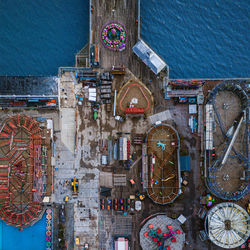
[125, 12]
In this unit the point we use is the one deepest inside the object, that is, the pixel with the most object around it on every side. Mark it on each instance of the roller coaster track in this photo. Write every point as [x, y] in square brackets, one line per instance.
[243, 155]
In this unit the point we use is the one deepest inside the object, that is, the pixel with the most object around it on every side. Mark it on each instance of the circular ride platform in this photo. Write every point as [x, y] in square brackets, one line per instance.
[161, 231]
[113, 36]
[227, 225]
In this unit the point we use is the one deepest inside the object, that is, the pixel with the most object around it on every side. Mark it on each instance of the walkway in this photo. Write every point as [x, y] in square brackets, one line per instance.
[124, 12]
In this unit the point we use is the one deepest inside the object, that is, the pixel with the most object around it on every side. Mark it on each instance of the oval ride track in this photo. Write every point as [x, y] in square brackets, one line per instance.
[20, 148]
[164, 174]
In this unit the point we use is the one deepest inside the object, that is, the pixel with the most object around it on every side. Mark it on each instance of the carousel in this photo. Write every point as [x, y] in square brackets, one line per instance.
[113, 36]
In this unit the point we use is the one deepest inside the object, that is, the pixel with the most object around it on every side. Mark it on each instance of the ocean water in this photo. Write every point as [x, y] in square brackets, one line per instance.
[199, 39]
[31, 238]
[37, 37]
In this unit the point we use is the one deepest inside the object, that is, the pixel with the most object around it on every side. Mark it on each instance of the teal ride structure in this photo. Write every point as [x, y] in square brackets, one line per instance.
[161, 145]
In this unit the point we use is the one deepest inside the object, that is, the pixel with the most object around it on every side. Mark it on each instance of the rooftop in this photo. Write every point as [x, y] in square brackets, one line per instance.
[28, 85]
[149, 57]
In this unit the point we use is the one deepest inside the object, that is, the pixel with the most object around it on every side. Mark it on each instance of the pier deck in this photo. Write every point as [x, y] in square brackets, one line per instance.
[124, 12]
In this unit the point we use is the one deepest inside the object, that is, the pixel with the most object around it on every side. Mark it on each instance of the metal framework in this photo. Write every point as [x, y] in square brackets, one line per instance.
[23, 161]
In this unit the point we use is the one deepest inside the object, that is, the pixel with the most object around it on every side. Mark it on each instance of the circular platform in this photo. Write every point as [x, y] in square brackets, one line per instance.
[161, 230]
[227, 225]
[113, 36]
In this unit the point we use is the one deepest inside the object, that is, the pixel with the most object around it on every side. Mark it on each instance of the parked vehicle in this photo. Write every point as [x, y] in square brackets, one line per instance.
[108, 107]
[122, 204]
[106, 101]
[115, 202]
[138, 205]
[119, 118]
[106, 76]
[66, 198]
[140, 195]
[106, 90]
[132, 205]
[86, 246]
[77, 241]
[118, 70]
[102, 204]
[192, 100]
[62, 213]
[105, 87]
[91, 84]
[132, 182]
[106, 82]
[128, 204]
[122, 207]
[105, 96]
[109, 204]
[183, 100]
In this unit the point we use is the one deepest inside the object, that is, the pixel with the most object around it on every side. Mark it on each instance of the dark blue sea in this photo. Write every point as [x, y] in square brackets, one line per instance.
[30, 238]
[38, 36]
[199, 38]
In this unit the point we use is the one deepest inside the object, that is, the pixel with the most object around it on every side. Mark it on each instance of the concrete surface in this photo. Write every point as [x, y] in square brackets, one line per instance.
[68, 128]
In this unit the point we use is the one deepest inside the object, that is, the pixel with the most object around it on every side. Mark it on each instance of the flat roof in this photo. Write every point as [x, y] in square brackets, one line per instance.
[121, 244]
[149, 57]
[185, 163]
[28, 85]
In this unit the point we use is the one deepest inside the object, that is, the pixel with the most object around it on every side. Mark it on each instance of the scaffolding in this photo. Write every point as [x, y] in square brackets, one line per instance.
[22, 170]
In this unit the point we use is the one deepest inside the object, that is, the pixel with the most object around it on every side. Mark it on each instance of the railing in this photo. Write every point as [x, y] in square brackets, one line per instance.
[224, 195]
[139, 20]
[62, 70]
[90, 26]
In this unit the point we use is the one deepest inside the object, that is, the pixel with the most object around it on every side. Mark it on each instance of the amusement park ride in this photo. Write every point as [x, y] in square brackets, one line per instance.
[161, 145]
[209, 200]
[160, 238]
[171, 176]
